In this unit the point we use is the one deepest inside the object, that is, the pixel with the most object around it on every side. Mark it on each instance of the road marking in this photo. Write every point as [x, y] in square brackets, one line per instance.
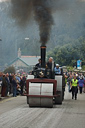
[7, 99]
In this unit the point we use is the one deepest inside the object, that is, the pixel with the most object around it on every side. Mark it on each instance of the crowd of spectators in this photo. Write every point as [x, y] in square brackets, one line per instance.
[81, 80]
[14, 84]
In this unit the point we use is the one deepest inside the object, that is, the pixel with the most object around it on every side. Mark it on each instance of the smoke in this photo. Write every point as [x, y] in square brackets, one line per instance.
[42, 11]
[44, 18]
[22, 10]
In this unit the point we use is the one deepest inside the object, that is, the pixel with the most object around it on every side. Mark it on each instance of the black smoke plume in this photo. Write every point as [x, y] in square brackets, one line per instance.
[71, 11]
[22, 10]
[44, 18]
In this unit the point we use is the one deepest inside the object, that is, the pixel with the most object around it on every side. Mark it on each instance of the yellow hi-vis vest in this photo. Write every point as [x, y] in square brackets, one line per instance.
[74, 83]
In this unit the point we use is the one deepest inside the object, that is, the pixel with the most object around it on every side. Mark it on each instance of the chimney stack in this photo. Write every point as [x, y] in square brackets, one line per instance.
[43, 56]
[19, 53]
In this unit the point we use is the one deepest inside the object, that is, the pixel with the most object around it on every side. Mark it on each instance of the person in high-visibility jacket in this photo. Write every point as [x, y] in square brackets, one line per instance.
[74, 86]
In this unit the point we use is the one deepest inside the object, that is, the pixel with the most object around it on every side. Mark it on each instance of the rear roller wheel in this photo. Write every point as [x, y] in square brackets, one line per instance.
[27, 100]
[62, 95]
[58, 100]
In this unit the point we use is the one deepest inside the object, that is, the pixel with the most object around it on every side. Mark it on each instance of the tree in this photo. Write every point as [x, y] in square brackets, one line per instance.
[69, 53]
[10, 69]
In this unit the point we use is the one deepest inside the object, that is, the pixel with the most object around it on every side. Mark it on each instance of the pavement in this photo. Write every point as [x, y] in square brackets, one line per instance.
[7, 97]
[2, 98]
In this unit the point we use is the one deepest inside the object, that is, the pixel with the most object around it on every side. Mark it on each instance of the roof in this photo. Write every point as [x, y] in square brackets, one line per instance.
[26, 60]
[30, 60]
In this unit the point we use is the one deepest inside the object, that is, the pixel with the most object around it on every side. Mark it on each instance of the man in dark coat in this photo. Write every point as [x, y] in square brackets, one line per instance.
[8, 84]
[4, 86]
[22, 83]
[38, 65]
[51, 65]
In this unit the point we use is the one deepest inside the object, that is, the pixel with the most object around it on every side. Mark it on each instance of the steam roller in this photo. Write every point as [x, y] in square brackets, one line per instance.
[43, 87]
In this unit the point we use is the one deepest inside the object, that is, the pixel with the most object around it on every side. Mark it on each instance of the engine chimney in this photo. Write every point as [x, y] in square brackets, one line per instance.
[43, 55]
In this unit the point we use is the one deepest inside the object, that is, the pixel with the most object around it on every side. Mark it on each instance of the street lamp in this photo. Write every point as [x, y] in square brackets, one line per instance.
[0, 53]
[26, 38]
[0, 39]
